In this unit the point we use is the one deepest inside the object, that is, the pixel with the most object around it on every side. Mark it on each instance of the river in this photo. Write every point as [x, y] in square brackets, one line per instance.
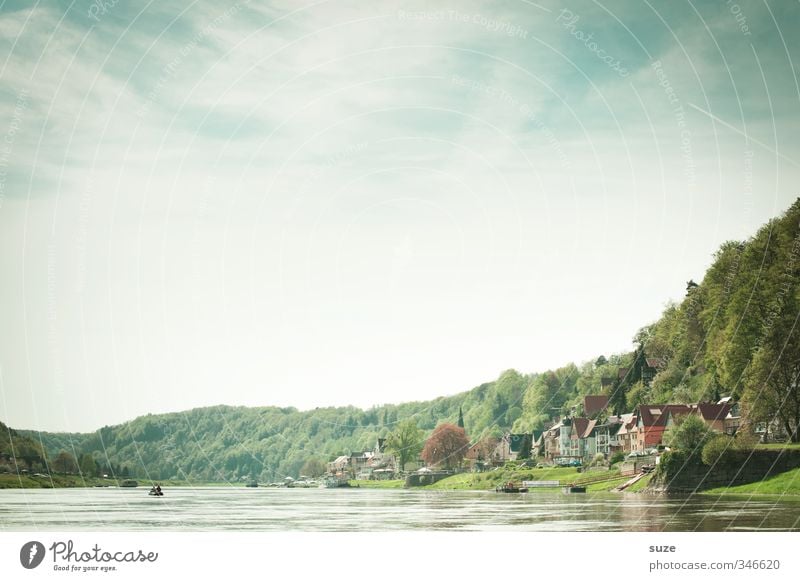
[266, 509]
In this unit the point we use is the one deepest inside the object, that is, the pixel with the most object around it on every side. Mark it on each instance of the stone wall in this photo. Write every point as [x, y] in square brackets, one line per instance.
[739, 467]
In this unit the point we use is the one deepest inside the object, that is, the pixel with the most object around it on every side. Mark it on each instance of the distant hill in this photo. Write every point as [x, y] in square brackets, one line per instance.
[27, 452]
[735, 333]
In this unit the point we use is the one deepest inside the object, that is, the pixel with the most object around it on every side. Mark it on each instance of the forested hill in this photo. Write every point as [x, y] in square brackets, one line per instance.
[16, 446]
[734, 333]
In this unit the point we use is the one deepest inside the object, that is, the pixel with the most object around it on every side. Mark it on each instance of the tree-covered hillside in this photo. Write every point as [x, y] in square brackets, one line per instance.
[735, 333]
[19, 452]
[223, 443]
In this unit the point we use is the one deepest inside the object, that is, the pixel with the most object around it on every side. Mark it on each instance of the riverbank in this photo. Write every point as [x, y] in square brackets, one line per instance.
[11, 481]
[595, 481]
[784, 484]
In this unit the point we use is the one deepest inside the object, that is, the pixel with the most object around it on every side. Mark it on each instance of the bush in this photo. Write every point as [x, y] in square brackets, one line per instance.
[598, 460]
[689, 434]
[746, 441]
[673, 462]
[616, 457]
[719, 451]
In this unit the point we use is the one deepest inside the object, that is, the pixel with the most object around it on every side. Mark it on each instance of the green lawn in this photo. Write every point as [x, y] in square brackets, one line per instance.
[787, 483]
[640, 484]
[608, 485]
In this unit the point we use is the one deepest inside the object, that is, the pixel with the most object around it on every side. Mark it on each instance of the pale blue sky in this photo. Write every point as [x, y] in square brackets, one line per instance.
[365, 202]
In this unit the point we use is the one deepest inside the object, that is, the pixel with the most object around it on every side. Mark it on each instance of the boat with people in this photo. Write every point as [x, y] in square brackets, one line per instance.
[155, 491]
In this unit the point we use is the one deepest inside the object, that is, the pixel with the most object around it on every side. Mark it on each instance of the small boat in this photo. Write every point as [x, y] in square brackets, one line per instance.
[252, 484]
[128, 484]
[155, 493]
[510, 487]
[573, 489]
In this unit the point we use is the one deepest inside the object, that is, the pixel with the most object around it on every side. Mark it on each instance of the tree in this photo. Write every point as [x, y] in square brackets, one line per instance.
[313, 467]
[689, 434]
[772, 384]
[405, 442]
[601, 361]
[446, 446]
[65, 463]
[87, 465]
[460, 418]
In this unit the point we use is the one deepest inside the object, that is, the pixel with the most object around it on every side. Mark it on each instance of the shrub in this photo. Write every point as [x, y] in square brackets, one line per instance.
[673, 462]
[718, 451]
[690, 434]
[746, 440]
[598, 460]
[616, 457]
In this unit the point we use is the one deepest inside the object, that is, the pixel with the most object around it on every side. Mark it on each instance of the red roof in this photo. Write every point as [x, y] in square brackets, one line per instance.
[580, 426]
[594, 403]
[656, 415]
[588, 430]
[713, 411]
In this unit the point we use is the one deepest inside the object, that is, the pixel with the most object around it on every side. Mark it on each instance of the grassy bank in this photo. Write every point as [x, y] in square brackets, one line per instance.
[640, 484]
[377, 483]
[594, 481]
[785, 484]
[55, 481]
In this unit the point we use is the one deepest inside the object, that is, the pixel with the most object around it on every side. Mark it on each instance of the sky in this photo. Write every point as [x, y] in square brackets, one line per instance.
[334, 203]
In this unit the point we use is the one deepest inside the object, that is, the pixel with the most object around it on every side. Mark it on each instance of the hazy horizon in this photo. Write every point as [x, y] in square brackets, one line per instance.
[358, 204]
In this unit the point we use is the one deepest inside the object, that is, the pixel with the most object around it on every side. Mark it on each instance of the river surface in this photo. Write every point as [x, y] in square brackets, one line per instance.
[265, 509]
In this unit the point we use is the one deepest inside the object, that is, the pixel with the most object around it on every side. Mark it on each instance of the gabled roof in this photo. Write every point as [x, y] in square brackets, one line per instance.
[588, 429]
[579, 426]
[657, 415]
[713, 411]
[593, 404]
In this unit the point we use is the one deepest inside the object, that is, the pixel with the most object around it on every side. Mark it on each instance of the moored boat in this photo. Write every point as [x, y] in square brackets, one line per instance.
[510, 487]
[573, 489]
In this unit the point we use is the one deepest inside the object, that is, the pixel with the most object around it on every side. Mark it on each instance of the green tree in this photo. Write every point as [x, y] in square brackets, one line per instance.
[405, 442]
[689, 433]
[773, 380]
[313, 467]
[65, 463]
[87, 465]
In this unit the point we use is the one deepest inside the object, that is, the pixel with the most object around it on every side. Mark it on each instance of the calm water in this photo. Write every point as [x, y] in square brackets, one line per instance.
[265, 509]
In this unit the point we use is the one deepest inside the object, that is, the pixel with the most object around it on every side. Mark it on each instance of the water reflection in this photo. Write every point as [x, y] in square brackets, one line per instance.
[376, 510]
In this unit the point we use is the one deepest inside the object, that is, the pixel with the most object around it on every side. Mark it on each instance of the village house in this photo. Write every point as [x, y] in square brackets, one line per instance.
[652, 422]
[551, 442]
[481, 454]
[606, 441]
[627, 423]
[512, 446]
